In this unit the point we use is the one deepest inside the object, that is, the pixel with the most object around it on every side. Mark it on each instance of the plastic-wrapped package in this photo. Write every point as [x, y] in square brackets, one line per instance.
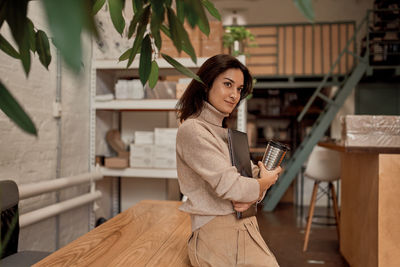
[370, 131]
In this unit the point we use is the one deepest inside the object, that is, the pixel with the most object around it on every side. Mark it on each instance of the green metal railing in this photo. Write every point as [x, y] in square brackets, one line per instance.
[324, 120]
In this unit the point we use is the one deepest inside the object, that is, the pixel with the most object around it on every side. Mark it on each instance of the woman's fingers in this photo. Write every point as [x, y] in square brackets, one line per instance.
[261, 165]
[241, 206]
[277, 170]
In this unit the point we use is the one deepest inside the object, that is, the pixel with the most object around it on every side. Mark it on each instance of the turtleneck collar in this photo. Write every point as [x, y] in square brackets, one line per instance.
[211, 115]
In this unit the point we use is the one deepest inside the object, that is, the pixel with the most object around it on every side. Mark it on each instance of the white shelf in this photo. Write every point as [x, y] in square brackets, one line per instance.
[162, 63]
[140, 104]
[141, 172]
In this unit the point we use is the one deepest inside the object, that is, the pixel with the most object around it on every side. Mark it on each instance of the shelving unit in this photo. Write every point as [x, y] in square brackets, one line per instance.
[135, 105]
[140, 172]
[110, 70]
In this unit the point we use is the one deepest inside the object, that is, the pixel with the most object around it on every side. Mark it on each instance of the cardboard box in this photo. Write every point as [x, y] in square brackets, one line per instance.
[165, 151]
[117, 163]
[141, 150]
[143, 137]
[165, 136]
[141, 155]
[141, 162]
[164, 163]
[371, 130]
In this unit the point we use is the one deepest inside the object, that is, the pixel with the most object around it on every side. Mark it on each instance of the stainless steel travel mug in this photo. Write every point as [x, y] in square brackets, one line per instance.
[274, 154]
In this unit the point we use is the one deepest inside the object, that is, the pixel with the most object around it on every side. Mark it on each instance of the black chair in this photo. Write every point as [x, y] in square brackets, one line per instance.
[9, 197]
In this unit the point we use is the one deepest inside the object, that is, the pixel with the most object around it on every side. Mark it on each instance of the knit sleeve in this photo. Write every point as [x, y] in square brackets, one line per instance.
[200, 151]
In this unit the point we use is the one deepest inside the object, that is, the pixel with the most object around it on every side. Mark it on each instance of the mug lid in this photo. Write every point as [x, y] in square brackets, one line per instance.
[278, 145]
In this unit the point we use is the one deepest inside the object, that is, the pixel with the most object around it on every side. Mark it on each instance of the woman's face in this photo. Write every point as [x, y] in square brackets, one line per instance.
[225, 91]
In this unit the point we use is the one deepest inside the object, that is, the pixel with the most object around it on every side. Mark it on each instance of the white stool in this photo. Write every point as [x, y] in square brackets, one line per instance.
[323, 166]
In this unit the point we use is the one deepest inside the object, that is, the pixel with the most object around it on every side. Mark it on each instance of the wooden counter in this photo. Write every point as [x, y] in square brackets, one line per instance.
[370, 205]
[151, 233]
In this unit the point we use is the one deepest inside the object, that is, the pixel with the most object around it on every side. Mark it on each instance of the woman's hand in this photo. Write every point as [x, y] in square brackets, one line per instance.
[241, 206]
[267, 178]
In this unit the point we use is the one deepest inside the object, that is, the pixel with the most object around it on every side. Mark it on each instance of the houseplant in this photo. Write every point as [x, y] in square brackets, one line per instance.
[237, 38]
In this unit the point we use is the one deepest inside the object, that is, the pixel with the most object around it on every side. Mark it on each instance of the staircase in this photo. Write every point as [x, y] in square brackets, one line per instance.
[324, 120]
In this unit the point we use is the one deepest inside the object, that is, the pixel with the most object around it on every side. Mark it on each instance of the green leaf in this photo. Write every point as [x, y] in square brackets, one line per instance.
[25, 54]
[173, 26]
[158, 9]
[3, 12]
[155, 30]
[117, 19]
[165, 30]
[8, 48]
[186, 44]
[145, 60]
[180, 10]
[306, 8]
[17, 20]
[202, 20]
[188, 48]
[15, 112]
[43, 48]
[137, 5]
[32, 34]
[137, 43]
[66, 32]
[190, 14]
[134, 21]
[181, 36]
[153, 78]
[182, 69]
[125, 55]
[98, 4]
[141, 15]
[89, 22]
[211, 9]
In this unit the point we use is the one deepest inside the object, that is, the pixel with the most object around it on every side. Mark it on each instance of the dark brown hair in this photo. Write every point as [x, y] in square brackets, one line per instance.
[192, 100]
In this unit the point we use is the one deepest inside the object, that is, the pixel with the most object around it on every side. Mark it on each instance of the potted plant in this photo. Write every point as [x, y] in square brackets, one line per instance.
[237, 38]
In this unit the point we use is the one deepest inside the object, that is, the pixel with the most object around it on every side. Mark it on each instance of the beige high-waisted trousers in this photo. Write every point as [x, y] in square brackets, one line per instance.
[227, 241]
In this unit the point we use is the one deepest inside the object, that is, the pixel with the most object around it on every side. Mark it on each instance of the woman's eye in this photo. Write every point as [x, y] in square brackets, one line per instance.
[240, 89]
[227, 84]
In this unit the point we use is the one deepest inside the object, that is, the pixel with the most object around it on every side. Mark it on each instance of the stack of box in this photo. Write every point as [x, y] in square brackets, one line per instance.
[129, 89]
[141, 151]
[154, 149]
[164, 149]
[371, 131]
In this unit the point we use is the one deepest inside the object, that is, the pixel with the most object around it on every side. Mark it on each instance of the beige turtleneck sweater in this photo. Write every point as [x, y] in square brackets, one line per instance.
[205, 173]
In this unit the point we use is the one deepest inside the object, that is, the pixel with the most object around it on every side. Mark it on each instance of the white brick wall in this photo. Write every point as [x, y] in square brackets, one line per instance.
[28, 159]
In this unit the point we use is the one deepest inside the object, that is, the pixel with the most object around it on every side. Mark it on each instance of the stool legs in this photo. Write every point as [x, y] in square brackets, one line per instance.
[310, 214]
[335, 208]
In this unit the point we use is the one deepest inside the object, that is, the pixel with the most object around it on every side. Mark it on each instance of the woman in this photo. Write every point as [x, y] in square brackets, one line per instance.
[213, 187]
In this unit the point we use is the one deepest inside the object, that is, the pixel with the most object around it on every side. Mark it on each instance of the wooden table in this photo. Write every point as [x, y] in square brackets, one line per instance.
[151, 233]
[370, 213]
